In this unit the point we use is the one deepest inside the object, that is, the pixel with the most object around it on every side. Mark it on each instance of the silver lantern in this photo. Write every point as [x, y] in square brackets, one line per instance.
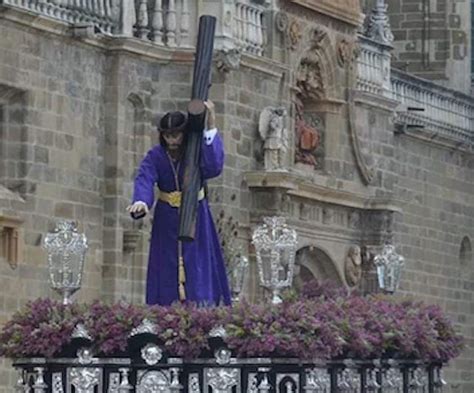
[389, 266]
[275, 248]
[66, 253]
[237, 274]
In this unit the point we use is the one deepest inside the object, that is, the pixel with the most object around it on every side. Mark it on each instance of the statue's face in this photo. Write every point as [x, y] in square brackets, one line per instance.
[173, 139]
[275, 123]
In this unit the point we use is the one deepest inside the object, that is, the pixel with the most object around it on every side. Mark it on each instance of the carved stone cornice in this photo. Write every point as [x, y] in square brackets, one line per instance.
[348, 11]
[294, 184]
[264, 65]
[326, 105]
[374, 100]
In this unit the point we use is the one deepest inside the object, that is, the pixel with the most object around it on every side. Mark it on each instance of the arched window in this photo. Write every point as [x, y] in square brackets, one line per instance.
[314, 263]
[465, 253]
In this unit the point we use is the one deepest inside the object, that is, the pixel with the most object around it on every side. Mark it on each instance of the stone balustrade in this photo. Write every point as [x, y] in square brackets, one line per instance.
[249, 27]
[440, 111]
[373, 67]
[166, 23]
[103, 14]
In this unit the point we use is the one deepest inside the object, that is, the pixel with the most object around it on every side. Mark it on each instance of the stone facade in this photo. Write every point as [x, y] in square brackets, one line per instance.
[77, 116]
[432, 39]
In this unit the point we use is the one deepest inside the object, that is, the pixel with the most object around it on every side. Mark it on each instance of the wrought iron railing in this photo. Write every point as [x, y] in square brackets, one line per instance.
[257, 375]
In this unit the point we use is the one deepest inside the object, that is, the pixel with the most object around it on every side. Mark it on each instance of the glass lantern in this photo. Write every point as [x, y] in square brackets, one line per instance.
[66, 253]
[275, 248]
[389, 266]
[237, 275]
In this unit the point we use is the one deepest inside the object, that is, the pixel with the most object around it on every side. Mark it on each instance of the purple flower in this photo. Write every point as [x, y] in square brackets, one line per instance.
[326, 324]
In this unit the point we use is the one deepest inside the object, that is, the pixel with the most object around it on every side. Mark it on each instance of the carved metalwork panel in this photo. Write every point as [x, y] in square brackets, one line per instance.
[418, 380]
[392, 380]
[114, 382]
[58, 383]
[83, 379]
[222, 380]
[193, 383]
[153, 381]
[317, 381]
[287, 383]
[252, 383]
[348, 381]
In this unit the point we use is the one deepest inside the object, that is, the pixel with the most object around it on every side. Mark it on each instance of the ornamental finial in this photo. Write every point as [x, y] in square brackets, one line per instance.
[378, 24]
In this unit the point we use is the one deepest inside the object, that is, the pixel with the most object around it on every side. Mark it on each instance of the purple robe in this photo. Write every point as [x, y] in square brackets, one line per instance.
[206, 279]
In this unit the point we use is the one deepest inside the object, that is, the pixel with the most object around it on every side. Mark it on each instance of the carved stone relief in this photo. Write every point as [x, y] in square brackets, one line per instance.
[353, 266]
[294, 33]
[309, 79]
[309, 140]
[228, 60]
[311, 87]
[344, 52]
[282, 21]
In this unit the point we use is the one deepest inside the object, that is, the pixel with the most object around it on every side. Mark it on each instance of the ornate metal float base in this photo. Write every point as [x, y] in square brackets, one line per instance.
[253, 375]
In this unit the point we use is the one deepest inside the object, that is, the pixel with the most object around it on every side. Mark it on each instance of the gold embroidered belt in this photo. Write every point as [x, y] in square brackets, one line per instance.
[174, 198]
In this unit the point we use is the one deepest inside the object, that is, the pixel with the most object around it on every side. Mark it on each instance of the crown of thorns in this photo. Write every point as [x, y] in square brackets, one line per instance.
[182, 127]
[168, 128]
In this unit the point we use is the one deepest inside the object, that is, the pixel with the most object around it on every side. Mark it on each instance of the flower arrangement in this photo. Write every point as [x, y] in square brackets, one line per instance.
[41, 328]
[324, 323]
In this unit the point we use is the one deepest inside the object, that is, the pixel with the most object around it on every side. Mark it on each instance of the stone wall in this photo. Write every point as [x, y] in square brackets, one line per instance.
[432, 39]
[52, 154]
[77, 119]
[53, 145]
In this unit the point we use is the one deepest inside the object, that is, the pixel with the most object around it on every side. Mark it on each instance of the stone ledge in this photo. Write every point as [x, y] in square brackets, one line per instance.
[8, 195]
[433, 137]
[375, 100]
[348, 11]
[300, 186]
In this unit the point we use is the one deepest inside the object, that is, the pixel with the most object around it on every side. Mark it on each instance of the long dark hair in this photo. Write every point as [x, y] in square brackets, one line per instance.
[172, 121]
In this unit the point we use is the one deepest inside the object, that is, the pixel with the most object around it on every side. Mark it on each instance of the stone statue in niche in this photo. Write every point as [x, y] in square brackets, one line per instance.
[310, 88]
[308, 139]
[272, 130]
[353, 266]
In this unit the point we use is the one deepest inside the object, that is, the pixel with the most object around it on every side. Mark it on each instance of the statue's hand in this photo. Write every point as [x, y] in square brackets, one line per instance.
[137, 208]
[211, 114]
